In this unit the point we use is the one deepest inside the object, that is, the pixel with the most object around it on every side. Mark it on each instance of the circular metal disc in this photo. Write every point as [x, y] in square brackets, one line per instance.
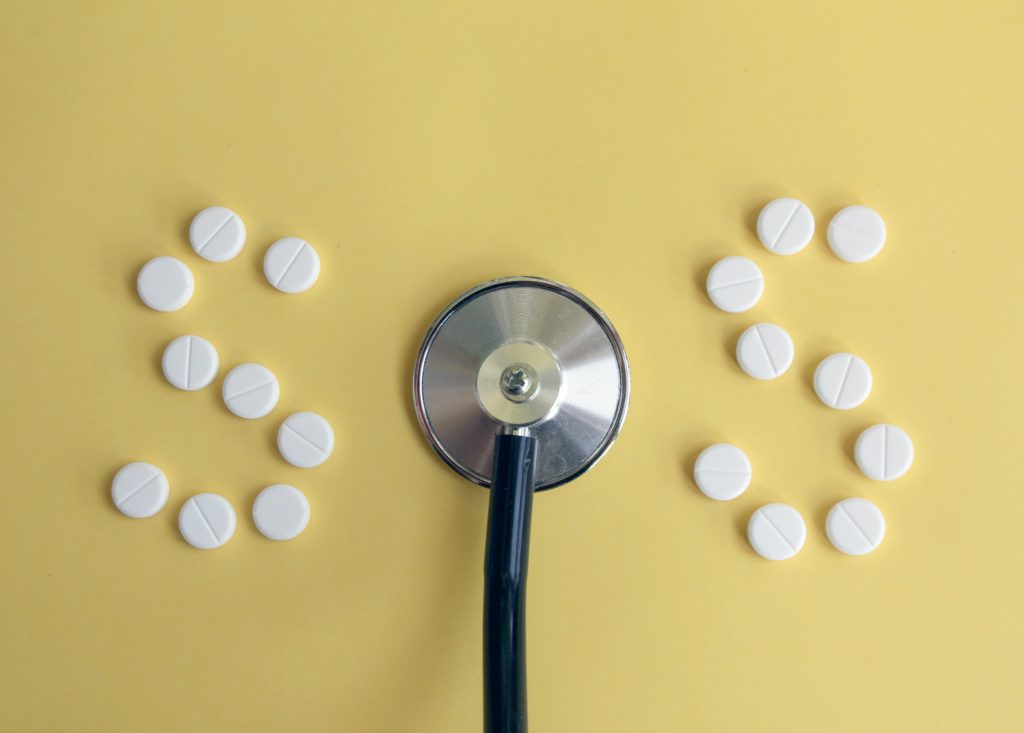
[571, 353]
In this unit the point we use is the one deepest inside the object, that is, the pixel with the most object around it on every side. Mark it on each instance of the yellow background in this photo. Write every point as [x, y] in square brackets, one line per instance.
[424, 147]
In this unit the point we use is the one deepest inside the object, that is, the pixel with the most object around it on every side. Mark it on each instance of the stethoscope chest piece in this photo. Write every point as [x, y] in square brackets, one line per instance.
[521, 352]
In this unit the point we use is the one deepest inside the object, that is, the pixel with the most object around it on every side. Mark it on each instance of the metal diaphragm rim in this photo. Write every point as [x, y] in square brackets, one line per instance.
[592, 358]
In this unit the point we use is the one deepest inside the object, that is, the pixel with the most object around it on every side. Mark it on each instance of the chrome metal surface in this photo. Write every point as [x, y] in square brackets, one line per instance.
[542, 401]
[466, 387]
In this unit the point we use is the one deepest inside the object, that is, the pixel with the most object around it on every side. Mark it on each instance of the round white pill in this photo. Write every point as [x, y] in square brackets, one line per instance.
[776, 531]
[722, 471]
[217, 234]
[291, 265]
[785, 226]
[735, 284]
[190, 362]
[207, 521]
[856, 234]
[842, 381]
[165, 284]
[280, 512]
[855, 526]
[764, 351]
[884, 452]
[305, 439]
[139, 490]
[251, 390]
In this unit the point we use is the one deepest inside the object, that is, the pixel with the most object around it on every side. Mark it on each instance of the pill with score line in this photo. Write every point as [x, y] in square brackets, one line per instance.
[305, 439]
[251, 391]
[735, 284]
[764, 351]
[884, 452]
[139, 490]
[785, 226]
[291, 265]
[207, 521]
[722, 472]
[217, 234]
[856, 234]
[776, 531]
[842, 381]
[190, 362]
[855, 526]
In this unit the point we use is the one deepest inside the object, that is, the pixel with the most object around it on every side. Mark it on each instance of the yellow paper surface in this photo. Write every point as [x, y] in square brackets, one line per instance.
[424, 147]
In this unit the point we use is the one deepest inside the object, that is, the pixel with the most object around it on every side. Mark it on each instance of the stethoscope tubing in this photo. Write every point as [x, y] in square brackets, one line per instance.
[505, 565]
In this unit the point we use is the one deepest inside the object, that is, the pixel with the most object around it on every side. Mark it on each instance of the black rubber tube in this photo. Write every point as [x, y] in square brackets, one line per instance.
[508, 549]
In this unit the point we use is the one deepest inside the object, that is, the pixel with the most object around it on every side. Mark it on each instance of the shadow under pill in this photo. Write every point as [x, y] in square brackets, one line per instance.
[272, 440]
[808, 373]
[740, 522]
[835, 495]
[700, 280]
[689, 464]
[750, 220]
[731, 343]
[186, 228]
[107, 488]
[131, 282]
[257, 268]
[850, 443]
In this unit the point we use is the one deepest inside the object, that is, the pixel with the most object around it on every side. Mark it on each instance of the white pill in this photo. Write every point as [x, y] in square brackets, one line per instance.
[291, 265]
[785, 226]
[139, 490]
[776, 531]
[722, 471]
[165, 284]
[217, 234]
[207, 521]
[842, 381]
[190, 362]
[764, 351]
[884, 452]
[280, 512]
[856, 234]
[735, 284]
[305, 439]
[855, 526]
[251, 390]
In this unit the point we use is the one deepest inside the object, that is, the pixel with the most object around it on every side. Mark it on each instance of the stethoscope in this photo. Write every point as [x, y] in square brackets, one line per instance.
[520, 385]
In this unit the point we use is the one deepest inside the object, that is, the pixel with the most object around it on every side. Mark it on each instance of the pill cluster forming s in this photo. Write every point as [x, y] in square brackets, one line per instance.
[250, 391]
[842, 381]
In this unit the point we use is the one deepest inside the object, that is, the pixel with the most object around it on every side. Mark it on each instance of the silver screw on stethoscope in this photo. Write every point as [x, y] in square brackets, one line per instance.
[519, 382]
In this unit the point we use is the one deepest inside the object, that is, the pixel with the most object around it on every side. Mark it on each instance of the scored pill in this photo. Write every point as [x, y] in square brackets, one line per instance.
[855, 526]
[735, 284]
[884, 452]
[251, 391]
[785, 226]
[842, 381]
[139, 490]
[305, 439]
[190, 362]
[217, 234]
[856, 234]
[206, 521]
[764, 351]
[291, 265]
[722, 472]
[776, 531]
